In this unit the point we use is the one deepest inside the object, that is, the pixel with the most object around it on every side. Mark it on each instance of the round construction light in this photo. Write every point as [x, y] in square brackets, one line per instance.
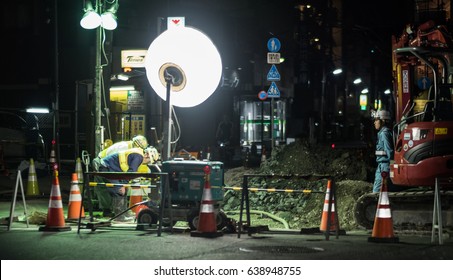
[90, 20]
[189, 60]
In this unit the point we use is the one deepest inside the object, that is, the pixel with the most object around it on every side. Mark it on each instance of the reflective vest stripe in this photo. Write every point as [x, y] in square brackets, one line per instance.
[381, 153]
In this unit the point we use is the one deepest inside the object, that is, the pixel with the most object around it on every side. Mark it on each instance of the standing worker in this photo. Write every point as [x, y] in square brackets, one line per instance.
[384, 146]
[125, 161]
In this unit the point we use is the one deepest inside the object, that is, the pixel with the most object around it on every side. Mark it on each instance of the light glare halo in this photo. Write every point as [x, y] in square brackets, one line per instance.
[197, 57]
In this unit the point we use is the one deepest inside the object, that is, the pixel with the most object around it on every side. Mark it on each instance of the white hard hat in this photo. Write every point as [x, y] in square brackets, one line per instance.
[140, 141]
[381, 114]
[153, 154]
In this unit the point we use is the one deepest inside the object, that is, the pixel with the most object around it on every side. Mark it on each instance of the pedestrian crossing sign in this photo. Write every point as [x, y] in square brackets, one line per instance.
[273, 91]
[273, 74]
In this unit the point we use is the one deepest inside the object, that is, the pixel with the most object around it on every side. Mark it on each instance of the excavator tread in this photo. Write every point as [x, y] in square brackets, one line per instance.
[417, 200]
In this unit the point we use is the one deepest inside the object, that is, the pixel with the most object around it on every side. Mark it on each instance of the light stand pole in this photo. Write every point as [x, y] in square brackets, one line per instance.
[99, 130]
[167, 123]
[102, 19]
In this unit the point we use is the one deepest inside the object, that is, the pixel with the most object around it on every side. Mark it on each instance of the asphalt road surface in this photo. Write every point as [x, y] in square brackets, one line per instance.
[123, 241]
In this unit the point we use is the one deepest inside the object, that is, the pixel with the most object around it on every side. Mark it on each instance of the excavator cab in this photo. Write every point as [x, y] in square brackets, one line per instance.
[424, 133]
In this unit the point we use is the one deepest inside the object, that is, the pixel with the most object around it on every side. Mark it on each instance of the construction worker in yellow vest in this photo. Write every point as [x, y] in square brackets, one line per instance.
[138, 141]
[101, 193]
[130, 160]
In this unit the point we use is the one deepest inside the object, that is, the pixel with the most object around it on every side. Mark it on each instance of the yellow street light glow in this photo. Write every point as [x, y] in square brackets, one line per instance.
[191, 55]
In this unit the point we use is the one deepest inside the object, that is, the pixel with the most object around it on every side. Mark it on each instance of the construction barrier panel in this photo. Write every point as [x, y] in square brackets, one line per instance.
[331, 217]
[161, 177]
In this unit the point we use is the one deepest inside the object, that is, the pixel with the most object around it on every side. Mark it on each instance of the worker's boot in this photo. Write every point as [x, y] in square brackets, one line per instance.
[119, 205]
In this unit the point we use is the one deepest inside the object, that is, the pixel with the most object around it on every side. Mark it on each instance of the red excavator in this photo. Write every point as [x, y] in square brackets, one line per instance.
[423, 133]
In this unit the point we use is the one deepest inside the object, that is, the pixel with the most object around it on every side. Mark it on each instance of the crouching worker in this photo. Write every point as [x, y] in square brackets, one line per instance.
[131, 160]
[101, 193]
[138, 141]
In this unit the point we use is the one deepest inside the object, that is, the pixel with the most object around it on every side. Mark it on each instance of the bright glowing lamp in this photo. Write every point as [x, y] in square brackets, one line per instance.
[189, 60]
[109, 20]
[184, 68]
[90, 20]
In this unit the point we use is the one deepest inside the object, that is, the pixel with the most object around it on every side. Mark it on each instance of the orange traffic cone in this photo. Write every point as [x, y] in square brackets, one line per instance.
[207, 225]
[383, 223]
[325, 212]
[32, 184]
[79, 171]
[55, 215]
[135, 197]
[75, 200]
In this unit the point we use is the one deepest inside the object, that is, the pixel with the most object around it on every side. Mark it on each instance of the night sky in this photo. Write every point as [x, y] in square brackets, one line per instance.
[237, 27]
[47, 52]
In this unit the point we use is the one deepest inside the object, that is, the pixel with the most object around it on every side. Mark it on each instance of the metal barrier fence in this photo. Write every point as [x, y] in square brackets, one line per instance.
[164, 190]
[310, 177]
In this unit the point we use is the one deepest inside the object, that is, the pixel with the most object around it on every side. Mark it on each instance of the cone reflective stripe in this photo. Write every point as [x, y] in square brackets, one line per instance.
[32, 184]
[136, 196]
[207, 224]
[325, 211]
[206, 208]
[383, 210]
[206, 201]
[79, 171]
[55, 215]
[383, 223]
[53, 158]
[75, 200]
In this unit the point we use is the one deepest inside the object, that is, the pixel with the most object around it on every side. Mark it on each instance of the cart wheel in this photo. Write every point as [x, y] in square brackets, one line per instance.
[147, 216]
[166, 222]
[193, 216]
[221, 219]
[192, 219]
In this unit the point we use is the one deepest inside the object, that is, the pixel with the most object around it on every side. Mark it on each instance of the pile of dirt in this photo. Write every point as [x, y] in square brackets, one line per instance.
[310, 166]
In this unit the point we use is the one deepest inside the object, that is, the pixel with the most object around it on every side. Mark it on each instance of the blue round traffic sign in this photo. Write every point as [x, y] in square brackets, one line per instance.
[424, 83]
[273, 45]
[262, 95]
